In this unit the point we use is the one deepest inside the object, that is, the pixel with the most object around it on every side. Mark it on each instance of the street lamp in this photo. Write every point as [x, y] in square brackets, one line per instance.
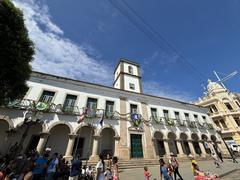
[219, 131]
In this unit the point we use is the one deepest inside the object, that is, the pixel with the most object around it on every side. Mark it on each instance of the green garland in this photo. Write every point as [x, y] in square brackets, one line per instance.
[158, 120]
[193, 125]
[170, 121]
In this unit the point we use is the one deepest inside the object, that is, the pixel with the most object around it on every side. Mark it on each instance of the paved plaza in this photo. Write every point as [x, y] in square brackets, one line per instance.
[185, 170]
[232, 176]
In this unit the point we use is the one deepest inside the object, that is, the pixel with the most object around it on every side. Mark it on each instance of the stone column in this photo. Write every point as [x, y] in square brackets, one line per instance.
[203, 154]
[180, 149]
[94, 156]
[69, 150]
[166, 148]
[149, 146]
[191, 148]
[123, 149]
[116, 141]
[42, 142]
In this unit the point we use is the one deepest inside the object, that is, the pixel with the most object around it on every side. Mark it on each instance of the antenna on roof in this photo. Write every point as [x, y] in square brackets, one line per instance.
[224, 78]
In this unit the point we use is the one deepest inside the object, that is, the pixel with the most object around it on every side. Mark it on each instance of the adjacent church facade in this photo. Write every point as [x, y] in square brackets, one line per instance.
[224, 110]
[74, 117]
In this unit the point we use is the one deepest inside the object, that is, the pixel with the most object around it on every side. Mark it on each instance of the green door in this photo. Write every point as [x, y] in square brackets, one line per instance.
[136, 146]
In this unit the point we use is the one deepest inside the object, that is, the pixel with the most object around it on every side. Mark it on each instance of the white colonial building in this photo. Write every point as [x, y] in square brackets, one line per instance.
[74, 117]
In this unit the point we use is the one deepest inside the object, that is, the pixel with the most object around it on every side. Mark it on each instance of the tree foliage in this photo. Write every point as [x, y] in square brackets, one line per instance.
[16, 53]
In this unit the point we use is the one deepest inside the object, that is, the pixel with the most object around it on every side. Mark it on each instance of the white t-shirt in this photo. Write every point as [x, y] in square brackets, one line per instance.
[100, 166]
[89, 171]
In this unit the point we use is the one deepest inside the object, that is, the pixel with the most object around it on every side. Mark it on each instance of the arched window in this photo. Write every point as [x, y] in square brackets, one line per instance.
[130, 69]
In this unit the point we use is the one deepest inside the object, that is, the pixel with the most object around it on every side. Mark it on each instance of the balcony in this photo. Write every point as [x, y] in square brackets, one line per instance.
[227, 130]
[217, 114]
[71, 110]
[167, 121]
[224, 113]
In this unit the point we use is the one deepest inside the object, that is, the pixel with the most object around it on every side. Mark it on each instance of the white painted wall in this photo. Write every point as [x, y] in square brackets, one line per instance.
[117, 72]
[84, 90]
[131, 79]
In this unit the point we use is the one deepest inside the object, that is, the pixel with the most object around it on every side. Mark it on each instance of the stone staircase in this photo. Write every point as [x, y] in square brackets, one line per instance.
[137, 163]
[140, 163]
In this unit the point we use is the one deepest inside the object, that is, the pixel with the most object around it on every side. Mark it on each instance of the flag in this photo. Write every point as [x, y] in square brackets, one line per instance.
[81, 118]
[101, 120]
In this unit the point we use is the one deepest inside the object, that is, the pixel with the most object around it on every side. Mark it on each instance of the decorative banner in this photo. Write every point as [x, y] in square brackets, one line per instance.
[102, 118]
[206, 145]
[41, 106]
[136, 119]
[81, 118]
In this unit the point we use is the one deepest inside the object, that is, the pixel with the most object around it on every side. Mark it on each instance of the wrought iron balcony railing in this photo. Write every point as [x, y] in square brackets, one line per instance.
[180, 122]
[31, 105]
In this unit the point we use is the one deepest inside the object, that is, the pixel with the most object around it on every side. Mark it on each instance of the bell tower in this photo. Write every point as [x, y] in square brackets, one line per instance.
[127, 76]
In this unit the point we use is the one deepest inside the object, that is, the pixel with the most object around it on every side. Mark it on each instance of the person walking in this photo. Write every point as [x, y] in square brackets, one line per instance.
[109, 161]
[100, 167]
[39, 166]
[75, 169]
[215, 159]
[52, 167]
[164, 172]
[115, 168]
[147, 174]
[232, 155]
[218, 151]
[193, 161]
[175, 165]
[89, 172]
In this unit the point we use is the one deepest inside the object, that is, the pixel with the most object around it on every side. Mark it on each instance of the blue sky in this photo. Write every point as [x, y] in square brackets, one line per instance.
[85, 39]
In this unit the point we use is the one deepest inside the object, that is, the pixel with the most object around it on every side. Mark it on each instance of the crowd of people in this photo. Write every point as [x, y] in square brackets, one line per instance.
[170, 170]
[33, 166]
[53, 166]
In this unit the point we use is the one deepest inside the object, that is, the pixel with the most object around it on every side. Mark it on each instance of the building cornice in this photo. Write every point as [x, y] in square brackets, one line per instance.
[126, 61]
[207, 102]
[121, 92]
[124, 73]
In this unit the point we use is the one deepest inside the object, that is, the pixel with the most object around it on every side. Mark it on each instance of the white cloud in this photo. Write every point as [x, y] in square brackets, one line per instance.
[154, 88]
[56, 54]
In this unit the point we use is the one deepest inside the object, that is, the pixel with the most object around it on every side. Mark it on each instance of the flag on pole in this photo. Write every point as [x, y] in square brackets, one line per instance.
[101, 120]
[81, 117]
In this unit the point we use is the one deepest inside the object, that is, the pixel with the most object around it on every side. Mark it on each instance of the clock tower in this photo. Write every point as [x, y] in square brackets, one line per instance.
[127, 76]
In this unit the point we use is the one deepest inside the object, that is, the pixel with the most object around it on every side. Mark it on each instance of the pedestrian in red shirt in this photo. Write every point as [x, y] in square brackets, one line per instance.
[147, 174]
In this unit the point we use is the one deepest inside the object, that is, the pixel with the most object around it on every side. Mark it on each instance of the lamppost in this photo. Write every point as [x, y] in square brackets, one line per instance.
[30, 118]
[219, 131]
